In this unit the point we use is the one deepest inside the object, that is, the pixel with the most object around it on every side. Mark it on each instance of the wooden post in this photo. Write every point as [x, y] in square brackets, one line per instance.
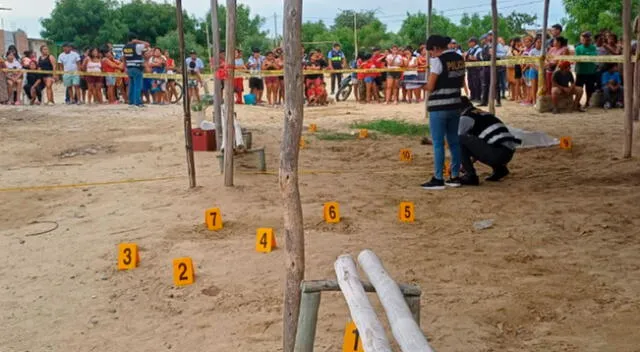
[628, 77]
[494, 46]
[371, 330]
[288, 175]
[307, 320]
[231, 46]
[542, 77]
[404, 328]
[636, 80]
[428, 33]
[186, 106]
[217, 84]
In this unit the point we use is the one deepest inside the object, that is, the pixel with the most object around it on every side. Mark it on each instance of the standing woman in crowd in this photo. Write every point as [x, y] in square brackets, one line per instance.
[446, 80]
[514, 73]
[14, 79]
[171, 83]
[111, 65]
[47, 62]
[394, 60]
[411, 77]
[280, 63]
[612, 46]
[531, 72]
[271, 82]
[158, 65]
[93, 64]
[238, 81]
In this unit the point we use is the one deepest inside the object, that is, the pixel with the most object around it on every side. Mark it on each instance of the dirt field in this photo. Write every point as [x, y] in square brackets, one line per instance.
[558, 271]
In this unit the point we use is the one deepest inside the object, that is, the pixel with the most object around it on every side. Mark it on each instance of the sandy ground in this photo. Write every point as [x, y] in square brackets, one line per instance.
[558, 271]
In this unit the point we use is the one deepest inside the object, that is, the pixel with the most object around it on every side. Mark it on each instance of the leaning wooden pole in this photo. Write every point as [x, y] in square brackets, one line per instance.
[288, 176]
[405, 329]
[494, 47]
[628, 77]
[217, 84]
[186, 108]
[229, 133]
[636, 80]
[371, 331]
[542, 76]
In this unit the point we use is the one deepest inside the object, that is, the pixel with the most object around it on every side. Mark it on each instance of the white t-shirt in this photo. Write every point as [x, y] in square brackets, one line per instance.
[13, 65]
[435, 65]
[412, 65]
[69, 61]
[394, 61]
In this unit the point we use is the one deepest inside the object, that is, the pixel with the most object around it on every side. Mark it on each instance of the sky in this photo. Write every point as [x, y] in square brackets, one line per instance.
[26, 15]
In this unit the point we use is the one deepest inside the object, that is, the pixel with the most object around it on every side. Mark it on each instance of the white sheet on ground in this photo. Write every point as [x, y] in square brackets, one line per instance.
[533, 139]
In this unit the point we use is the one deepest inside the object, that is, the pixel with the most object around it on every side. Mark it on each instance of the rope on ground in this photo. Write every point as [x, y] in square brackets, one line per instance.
[55, 227]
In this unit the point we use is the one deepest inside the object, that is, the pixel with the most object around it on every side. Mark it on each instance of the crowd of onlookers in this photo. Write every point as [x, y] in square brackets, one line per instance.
[405, 80]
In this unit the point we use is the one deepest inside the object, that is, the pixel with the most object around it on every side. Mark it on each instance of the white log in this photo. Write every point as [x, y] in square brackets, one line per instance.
[238, 141]
[369, 327]
[403, 326]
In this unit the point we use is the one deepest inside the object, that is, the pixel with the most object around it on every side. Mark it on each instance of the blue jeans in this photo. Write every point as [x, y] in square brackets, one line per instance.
[135, 85]
[445, 124]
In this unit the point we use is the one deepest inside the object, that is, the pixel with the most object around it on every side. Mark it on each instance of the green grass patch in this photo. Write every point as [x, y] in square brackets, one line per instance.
[334, 136]
[394, 127]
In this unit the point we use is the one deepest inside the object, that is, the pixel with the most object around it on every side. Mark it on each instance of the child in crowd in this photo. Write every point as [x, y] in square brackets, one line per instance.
[612, 89]
[14, 79]
[272, 82]
[238, 82]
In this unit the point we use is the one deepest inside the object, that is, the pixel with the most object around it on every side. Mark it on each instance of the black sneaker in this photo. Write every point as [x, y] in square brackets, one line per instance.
[434, 184]
[498, 174]
[470, 180]
[453, 182]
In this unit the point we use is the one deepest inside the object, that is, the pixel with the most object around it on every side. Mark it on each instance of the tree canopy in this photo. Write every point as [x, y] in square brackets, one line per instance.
[593, 15]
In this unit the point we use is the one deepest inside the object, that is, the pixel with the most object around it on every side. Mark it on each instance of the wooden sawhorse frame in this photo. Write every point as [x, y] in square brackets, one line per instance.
[310, 303]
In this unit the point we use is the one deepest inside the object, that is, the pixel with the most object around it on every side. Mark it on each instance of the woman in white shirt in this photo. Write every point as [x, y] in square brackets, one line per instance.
[14, 79]
[394, 60]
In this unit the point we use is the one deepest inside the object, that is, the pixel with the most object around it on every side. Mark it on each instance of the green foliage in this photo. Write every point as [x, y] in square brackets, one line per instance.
[85, 22]
[394, 127]
[593, 15]
[95, 22]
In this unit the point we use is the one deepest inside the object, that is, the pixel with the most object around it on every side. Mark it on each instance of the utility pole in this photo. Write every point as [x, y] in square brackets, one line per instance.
[275, 29]
[355, 33]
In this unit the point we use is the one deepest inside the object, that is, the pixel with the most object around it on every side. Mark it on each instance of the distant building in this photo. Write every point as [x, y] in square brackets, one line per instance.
[36, 43]
[17, 38]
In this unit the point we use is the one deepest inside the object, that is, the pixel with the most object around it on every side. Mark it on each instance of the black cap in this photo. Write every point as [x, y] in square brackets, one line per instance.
[66, 45]
[192, 52]
[586, 34]
[255, 50]
[557, 26]
[375, 48]
[473, 39]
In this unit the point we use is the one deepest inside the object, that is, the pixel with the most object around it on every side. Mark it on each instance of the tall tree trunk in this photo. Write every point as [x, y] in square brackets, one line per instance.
[636, 81]
[229, 133]
[217, 84]
[542, 76]
[289, 150]
[494, 46]
[628, 77]
[186, 108]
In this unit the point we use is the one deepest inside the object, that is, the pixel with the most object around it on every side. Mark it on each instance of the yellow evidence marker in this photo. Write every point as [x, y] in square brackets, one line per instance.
[406, 212]
[363, 134]
[183, 273]
[213, 219]
[313, 128]
[265, 240]
[332, 212]
[566, 143]
[351, 341]
[128, 257]
[406, 155]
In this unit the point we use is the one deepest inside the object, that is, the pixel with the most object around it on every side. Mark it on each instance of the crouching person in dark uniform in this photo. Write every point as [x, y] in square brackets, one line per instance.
[484, 138]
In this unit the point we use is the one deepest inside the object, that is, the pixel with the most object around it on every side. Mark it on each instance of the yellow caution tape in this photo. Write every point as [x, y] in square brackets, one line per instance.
[523, 60]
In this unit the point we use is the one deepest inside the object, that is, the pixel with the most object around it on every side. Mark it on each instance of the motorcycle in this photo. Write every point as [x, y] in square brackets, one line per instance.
[346, 86]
